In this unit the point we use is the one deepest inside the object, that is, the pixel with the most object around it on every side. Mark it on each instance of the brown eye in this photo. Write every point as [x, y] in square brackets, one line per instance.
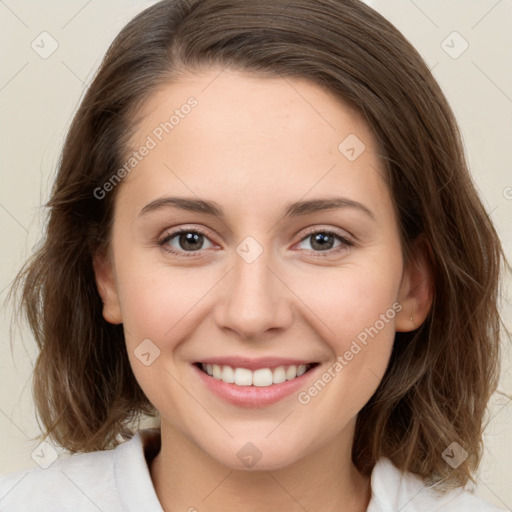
[184, 240]
[190, 241]
[323, 241]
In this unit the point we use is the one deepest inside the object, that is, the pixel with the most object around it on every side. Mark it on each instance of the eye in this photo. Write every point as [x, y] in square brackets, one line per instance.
[324, 241]
[184, 241]
[188, 242]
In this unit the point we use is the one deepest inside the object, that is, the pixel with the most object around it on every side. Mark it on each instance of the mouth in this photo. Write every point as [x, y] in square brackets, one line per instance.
[265, 376]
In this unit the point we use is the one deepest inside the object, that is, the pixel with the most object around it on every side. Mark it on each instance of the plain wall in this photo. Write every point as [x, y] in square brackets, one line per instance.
[38, 97]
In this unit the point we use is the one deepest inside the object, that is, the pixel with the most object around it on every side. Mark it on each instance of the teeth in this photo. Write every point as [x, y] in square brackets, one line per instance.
[243, 377]
[279, 375]
[263, 377]
[228, 374]
[291, 372]
[217, 371]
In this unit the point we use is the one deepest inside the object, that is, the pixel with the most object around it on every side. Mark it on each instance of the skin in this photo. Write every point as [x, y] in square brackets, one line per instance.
[253, 145]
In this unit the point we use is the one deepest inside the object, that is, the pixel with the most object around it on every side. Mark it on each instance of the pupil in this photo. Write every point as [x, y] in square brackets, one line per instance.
[190, 240]
[323, 241]
[187, 240]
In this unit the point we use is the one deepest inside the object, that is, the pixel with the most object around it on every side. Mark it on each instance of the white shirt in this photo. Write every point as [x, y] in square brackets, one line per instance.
[118, 480]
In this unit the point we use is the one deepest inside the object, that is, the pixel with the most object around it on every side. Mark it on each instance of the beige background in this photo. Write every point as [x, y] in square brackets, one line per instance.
[38, 97]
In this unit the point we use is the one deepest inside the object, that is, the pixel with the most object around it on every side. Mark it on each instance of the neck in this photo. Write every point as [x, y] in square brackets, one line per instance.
[186, 478]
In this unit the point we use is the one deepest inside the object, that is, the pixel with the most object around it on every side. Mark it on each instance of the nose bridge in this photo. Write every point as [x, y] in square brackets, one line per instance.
[256, 300]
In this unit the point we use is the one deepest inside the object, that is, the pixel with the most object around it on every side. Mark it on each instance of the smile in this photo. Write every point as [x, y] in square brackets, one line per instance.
[254, 382]
[261, 377]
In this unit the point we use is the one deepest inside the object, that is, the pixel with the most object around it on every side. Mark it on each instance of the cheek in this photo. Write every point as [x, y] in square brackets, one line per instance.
[160, 307]
[353, 300]
[359, 306]
[157, 301]
[357, 309]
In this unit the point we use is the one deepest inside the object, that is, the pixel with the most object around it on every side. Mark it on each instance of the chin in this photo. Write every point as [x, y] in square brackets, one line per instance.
[259, 454]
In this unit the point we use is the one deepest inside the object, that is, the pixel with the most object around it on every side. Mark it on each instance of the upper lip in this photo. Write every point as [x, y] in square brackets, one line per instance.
[255, 363]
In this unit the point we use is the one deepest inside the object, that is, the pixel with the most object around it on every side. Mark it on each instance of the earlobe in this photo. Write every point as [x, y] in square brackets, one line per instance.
[417, 288]
[106, 284]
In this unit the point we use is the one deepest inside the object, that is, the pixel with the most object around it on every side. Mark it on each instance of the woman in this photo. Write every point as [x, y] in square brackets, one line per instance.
[263, 230]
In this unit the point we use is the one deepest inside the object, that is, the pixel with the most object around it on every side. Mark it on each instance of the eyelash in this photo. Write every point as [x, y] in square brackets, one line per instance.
[345, 242]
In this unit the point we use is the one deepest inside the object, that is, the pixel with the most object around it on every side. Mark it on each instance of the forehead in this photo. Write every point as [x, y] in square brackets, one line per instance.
[231, 101]
[222, 131]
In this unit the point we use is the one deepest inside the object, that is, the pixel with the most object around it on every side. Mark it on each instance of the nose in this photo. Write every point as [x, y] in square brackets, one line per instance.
[256, 300]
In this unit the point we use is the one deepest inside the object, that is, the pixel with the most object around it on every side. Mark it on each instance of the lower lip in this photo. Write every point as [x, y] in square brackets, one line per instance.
[253, 396]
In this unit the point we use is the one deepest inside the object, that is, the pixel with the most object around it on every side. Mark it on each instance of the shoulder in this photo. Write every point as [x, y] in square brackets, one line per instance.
[394, 490]
[84, 482]
[81, 482]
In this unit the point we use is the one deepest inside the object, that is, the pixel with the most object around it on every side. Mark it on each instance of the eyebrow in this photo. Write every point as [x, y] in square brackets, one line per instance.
[291, 210]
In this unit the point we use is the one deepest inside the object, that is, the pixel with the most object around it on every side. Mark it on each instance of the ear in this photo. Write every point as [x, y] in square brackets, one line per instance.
[106, 283]
[417, 288]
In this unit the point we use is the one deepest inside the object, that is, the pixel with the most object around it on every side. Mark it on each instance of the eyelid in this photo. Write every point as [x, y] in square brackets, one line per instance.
[170, 233]
[345, 239]
[346, 242]
[183, 228]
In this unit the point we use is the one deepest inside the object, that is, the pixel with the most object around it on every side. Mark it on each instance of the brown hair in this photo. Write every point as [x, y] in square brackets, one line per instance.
[440, 376]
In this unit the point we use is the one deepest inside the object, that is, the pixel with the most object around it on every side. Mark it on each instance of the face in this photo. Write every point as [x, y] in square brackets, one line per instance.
[255, 241]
